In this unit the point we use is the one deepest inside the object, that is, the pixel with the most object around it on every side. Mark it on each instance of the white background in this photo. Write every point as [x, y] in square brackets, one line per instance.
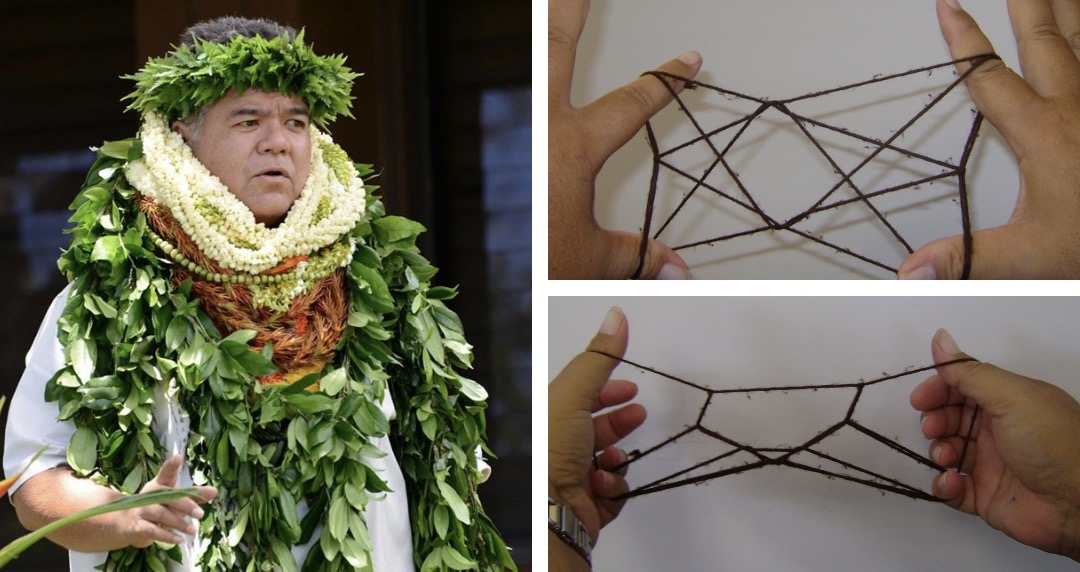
[778, 49]
[779, 518]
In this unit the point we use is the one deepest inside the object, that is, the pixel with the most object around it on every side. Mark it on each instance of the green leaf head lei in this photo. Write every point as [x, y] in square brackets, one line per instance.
[190, 78]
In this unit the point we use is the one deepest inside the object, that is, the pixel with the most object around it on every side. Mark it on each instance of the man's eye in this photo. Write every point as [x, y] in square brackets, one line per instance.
[248, 123]
[300, 123]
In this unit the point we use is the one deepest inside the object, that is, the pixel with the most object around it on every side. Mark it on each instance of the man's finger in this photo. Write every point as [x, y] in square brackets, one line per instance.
[615, 392]
[585, 376]
[610, 428]
[169, 472]
[958, 491]
[1004, 253]
[167, 518]
[624, 258]
[1048, 63]
[566, 18]
[617, 116]
[999, 93]
[995, 390]
[1067, 15]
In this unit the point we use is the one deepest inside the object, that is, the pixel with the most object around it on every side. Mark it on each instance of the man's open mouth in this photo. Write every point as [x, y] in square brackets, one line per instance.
[274, 173]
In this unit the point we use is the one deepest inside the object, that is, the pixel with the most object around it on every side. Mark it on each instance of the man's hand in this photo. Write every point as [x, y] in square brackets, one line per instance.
[580, 141]
[575, 436]
[1022, 464]
[58, 493]
[1039, 116]
[154, 523]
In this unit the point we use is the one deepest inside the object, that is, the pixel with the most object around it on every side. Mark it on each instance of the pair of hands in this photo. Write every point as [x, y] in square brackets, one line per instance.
[1021, 473]
[1037, 114]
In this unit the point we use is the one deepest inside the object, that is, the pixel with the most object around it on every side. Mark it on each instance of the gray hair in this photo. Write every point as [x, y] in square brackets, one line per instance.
[223, 30]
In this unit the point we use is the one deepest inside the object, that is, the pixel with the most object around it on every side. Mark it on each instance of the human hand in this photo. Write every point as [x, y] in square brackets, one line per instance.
[148, 524]
[1022, 466]
[575, 436]
[580, 141]
[1039, 116]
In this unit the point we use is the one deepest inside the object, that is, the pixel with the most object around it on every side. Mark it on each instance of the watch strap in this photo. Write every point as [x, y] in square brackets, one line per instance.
[566, 525]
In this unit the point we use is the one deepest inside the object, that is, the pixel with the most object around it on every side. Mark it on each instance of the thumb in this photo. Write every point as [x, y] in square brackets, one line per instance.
[992, 388]
[944, 259]
[169, 473]
[658, 262]
[580, 382]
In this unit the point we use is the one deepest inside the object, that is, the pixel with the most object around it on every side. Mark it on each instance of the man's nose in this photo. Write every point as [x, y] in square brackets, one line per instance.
[274, 140]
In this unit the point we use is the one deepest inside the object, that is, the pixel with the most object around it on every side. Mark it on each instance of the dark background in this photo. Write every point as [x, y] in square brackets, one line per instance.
[443, 111]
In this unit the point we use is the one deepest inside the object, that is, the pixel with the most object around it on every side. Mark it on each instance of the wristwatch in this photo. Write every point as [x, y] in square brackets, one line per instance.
[562, 522]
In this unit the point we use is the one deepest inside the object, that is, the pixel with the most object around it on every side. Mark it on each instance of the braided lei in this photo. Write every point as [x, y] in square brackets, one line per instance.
[134, 323]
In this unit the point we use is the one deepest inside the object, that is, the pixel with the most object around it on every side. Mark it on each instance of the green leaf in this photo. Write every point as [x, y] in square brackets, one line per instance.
[82, 354]
[441, 517]
[338, 521]
[473, 390]
[240, 337]
[396, 228]
[82, 451]
[108, 248]
[117, 149]
[288, 511]
[455, 560]
[283, 555]
[461, 512]
[333, 382]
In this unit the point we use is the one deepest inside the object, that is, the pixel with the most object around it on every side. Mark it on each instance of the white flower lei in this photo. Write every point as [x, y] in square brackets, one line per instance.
[330, 204]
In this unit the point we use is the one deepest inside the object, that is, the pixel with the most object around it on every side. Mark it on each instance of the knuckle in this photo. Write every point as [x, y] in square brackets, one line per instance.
[991, 69]
[641, 97]
[557, 35]
[1045, 32]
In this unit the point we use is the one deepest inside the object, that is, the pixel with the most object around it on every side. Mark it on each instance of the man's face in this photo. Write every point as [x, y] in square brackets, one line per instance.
[259, 145]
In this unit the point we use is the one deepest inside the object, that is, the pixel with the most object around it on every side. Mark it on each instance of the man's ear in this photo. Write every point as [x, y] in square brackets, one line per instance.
[183, 129]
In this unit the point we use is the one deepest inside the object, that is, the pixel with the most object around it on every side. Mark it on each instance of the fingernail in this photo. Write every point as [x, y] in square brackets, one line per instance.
[922, 419]
[197, 513]
[690, 58]
[608, 478]
[673, 272]
[946, 341]
[935, 454]
[612, 321]
[954, 4]
[920, 273]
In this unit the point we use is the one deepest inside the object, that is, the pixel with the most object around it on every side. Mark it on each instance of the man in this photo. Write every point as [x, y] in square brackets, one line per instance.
[239, 294]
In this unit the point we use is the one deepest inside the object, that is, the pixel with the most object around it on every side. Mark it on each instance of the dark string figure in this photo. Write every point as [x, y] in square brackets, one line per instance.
[769, 223]
[784, 456]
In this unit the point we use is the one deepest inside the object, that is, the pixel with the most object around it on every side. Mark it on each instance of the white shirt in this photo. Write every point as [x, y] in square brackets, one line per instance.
[31, 424]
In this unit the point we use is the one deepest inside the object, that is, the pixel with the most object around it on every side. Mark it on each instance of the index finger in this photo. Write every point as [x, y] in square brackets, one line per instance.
[999, 93]
[566, 19]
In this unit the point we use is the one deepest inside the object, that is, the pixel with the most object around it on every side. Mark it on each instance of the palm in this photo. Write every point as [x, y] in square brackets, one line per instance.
[1004, 500]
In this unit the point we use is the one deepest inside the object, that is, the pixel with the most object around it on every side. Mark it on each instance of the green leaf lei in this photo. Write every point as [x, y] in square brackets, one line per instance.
[126, 331]
[191, 78]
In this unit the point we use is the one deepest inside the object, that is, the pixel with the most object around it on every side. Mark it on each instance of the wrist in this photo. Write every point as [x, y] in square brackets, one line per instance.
[569, 529]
